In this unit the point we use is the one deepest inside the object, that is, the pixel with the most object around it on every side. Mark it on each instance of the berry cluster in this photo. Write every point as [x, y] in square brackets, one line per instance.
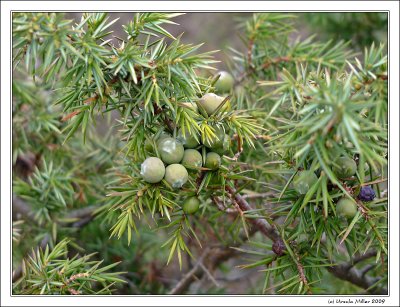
[344, 168]
[180, 157]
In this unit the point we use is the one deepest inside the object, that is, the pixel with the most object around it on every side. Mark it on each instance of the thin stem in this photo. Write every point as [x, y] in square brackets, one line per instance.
[260, 223]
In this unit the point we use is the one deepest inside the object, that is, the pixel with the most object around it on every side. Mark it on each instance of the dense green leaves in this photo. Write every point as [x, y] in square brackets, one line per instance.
[296, 106]
[51, 272]
[318, 103]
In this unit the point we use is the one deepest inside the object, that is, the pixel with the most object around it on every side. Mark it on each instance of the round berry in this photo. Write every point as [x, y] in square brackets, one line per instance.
[225, 82]
[346, 207]
[216, 141]
[366, 194]
[192, 159]
[224, 148]
[303, 181]
[210, 102]
[188, 140]
[344, 167]
[162, 136]
[152, 170]
[191, 106]
[170, 150]
[213, 161]
[191, 205]
[176, 175]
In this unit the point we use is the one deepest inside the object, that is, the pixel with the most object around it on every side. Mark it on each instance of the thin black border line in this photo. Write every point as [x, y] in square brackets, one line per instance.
[225, 11]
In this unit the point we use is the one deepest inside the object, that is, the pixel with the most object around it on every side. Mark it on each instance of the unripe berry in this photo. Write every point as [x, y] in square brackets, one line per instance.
[163, 135]
[192, 159]
[152, 170]
[210, 102]
[303, 181]
[216, 141]
[346, 207]
[191, 105]
[213, 161]
[191, 205]
[176, 175]
[344, 167]
[225, 82]
[224, 148]
[170, 150]
[187, 140]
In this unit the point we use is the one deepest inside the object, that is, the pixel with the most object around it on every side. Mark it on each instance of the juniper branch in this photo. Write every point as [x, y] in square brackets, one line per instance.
[187, 279]
[260, 223]
[210, 261]
[346, 272]
[21, 207]
[343, 271]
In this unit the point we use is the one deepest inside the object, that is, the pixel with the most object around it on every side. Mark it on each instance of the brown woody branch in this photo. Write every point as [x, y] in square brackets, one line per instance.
[260, 223]
[21, 207]
[348, 273]
[195, 273]
[265, 65]
[274, 61]
[344, 271]
[210, 259]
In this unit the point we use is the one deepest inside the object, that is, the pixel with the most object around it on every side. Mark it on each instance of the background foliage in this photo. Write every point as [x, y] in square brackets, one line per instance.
[87, 99]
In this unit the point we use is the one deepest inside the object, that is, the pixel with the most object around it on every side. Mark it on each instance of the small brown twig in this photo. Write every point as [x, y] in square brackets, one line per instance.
[250, 46]
[260, 223]
[240, 149]
[265, 65]
[274, 61]
[89, 100]
[169, 123]
[188, 278]
[258, 195]
[21, 207]
[302, 275]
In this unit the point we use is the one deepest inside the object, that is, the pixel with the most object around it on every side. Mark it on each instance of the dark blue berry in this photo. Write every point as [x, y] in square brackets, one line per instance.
[366, 194]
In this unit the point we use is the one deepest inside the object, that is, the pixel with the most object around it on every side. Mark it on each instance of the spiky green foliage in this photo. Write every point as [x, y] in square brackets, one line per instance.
[53, 272]
[296, 105]
[318, 103]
